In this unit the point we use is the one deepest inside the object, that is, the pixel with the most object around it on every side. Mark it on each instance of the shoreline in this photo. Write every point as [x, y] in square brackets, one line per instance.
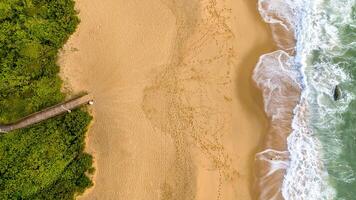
[122, 129]
[275, 75]
[258, 42]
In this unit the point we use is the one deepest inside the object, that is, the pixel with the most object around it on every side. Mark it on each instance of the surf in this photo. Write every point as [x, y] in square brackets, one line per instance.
[298, 84]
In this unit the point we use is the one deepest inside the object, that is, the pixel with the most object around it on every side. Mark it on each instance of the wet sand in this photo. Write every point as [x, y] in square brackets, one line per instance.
[177, 115]
[276, 76]
[253, 39]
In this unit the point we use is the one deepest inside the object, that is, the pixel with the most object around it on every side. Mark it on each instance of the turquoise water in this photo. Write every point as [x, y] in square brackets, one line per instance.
[333, 62]
[322, 144]
[334, 122]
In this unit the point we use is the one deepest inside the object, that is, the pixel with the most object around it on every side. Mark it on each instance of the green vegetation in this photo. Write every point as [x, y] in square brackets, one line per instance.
[45, 161]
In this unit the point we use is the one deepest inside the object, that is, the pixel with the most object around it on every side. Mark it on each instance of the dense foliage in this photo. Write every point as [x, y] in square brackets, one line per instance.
[45, 161]
[31, 33]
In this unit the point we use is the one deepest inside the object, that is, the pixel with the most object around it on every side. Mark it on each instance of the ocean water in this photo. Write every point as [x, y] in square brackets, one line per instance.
[321, 62]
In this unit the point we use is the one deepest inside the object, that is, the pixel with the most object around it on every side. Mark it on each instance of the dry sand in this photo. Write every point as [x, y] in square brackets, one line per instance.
[177, 115]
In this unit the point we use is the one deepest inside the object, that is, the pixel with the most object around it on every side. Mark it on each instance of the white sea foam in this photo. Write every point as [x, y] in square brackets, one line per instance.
[282, 23]
[277, 76]
[306, 177]
[314, 28]
[322, 30]
[277, 160]
[270, 11]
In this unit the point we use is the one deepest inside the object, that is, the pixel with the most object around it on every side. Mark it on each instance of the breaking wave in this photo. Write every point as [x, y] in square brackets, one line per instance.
[302, 151]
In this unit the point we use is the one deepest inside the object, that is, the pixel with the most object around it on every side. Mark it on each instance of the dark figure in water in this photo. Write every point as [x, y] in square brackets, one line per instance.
[337, 93]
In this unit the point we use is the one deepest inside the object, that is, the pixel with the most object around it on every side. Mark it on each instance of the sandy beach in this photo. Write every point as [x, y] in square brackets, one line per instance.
[177, 114]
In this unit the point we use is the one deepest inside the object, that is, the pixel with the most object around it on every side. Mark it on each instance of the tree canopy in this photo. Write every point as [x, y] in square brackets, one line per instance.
[47, 160]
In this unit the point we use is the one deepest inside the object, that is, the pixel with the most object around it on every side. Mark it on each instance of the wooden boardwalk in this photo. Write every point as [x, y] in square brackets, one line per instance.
[46, 113]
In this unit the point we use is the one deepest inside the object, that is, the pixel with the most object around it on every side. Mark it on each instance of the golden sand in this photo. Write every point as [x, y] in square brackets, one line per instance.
[177, 115]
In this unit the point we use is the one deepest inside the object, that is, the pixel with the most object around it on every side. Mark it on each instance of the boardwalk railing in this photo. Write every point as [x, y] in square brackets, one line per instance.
[47, 113]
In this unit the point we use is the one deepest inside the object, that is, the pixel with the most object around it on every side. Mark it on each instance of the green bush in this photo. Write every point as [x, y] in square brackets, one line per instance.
[45, 161]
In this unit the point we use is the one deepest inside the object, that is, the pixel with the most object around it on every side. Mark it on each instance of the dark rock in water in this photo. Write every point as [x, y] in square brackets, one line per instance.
[337, 93]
